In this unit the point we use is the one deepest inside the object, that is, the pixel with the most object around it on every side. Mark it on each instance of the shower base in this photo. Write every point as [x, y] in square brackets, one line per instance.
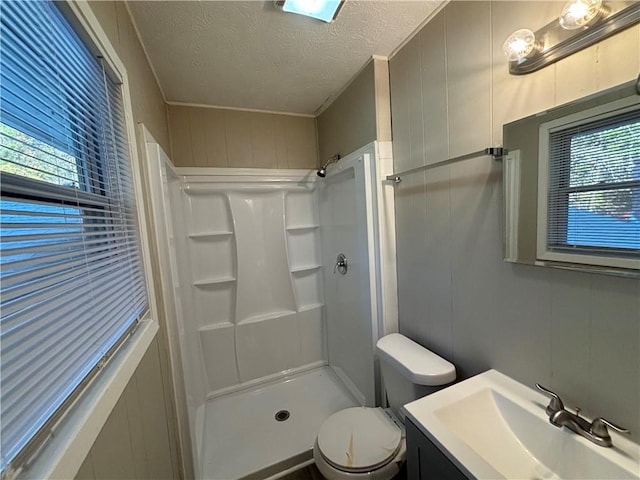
[270, 429]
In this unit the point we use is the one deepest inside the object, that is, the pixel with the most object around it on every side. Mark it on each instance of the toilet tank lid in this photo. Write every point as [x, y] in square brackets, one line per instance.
[415, 362]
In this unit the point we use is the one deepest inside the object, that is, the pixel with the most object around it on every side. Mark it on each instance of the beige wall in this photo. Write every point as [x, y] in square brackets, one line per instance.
[146, 98]
[215, 137]
[134, 442]
[350, 121]
[140, 437]
[576, 333]
[359, 115]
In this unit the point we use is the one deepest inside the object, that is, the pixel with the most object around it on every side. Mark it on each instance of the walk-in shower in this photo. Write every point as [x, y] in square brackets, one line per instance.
[270, 341]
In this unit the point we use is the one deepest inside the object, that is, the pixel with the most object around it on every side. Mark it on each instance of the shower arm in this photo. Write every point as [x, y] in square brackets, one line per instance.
[322, 172]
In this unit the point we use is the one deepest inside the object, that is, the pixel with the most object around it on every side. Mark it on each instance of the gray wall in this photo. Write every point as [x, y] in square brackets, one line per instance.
[576, 333]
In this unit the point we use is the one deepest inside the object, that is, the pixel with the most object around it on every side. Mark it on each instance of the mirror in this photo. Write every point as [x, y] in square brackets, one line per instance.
[524, 242]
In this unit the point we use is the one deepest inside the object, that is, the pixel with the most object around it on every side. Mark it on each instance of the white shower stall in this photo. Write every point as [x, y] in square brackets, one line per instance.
[267, 337]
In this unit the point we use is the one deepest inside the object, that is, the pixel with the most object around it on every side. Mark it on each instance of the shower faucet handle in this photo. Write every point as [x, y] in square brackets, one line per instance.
[341, 264]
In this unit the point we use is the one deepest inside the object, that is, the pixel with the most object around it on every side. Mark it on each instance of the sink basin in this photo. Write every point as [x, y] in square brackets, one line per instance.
[491, 426]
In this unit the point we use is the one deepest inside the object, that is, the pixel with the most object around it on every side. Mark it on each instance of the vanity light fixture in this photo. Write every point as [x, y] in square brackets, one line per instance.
[325, 10]
[581, 24]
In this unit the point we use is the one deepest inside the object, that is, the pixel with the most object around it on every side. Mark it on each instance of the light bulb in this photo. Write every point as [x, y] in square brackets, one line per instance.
[580, 13]
[520, 44]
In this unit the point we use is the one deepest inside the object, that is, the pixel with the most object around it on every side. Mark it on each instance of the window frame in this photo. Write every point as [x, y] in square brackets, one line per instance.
[543, 251]
[63, 455]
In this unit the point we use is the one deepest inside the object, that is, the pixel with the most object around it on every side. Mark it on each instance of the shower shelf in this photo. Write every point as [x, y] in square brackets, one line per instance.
[213, 281]
[310, 306]
[305, 268]
[266, 316]
[215, 326]
[294, 228]
[210, 234]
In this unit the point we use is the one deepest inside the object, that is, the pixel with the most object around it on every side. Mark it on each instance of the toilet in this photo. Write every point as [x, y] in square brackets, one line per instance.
[369, 443]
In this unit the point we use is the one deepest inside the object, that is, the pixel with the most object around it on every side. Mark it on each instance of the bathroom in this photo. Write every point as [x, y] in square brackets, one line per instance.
[445, 90]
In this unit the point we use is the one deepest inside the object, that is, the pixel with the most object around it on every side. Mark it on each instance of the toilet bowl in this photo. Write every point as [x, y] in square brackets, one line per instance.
[374, 440]
[369, 443]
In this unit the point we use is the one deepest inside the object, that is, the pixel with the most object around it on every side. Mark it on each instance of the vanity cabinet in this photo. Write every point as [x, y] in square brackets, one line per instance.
[425, 461]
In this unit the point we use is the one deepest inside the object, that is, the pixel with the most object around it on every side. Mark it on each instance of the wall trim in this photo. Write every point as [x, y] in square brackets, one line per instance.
[238, 109]
[144, 50]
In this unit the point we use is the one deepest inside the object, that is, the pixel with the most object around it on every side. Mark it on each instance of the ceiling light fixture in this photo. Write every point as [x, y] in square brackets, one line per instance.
[325, 10]
[581, 24]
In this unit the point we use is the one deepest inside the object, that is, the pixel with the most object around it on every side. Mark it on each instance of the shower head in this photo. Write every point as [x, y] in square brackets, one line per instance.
[322, 172]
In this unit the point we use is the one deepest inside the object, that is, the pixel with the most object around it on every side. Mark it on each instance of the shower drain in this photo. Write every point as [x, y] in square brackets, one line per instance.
[282, 415]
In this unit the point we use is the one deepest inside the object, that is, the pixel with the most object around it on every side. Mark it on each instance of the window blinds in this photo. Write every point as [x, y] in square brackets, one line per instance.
[594, 187]
[71, 269]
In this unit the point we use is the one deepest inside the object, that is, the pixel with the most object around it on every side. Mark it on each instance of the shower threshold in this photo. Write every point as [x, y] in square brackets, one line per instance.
[269, 430]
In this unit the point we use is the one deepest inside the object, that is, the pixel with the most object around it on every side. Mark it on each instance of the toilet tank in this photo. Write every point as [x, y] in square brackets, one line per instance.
[410, 371]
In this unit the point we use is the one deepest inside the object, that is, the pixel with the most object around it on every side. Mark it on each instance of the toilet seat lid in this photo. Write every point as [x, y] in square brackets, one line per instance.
[359, 439]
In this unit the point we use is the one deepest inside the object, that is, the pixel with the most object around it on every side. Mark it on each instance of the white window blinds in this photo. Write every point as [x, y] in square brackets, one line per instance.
[72, 275]
[594, 187]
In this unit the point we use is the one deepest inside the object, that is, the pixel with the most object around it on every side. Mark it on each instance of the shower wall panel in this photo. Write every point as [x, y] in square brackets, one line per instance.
[251, 277]
[263, 283]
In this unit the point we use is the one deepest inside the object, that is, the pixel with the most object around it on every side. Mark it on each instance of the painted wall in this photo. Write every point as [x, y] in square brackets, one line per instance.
[215, 137]
[134, 442]
[359, 115]
[146, 98]
[350, 121]
[576, 333]
[139, 439]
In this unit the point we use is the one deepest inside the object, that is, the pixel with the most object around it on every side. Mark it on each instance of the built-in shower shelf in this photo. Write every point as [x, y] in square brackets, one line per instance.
[266, 316]
[213, 281]
[294, 228]
[205, 235]
[310, 306]
[305, 268]
[215, 326]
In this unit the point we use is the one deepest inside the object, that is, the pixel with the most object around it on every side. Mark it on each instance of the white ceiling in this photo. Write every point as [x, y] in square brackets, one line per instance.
[248, 54]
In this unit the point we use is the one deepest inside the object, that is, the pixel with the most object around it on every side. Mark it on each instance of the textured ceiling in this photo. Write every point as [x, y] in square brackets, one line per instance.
[248, 54]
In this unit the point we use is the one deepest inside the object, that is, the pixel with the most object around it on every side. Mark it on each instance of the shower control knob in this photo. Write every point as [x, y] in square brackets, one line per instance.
[341, 264]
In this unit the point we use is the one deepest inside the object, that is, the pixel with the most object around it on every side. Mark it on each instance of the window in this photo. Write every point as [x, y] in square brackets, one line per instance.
[589, 187]
[73, 283]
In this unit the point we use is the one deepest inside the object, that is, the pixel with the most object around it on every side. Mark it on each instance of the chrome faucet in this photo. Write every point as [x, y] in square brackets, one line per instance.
[595, 431]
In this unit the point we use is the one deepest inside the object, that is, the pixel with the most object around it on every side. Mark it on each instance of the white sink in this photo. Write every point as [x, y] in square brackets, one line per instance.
[491, 426]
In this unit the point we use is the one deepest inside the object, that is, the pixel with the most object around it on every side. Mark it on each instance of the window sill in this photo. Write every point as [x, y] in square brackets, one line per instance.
[585, 268]
[589, 261]
[63, 455]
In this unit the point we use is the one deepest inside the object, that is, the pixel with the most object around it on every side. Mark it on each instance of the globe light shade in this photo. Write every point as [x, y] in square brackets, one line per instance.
[519, 45]
[580, 13]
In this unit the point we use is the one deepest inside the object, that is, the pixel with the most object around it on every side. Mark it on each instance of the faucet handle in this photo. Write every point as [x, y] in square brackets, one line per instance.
[599, 427]
[555, 404]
